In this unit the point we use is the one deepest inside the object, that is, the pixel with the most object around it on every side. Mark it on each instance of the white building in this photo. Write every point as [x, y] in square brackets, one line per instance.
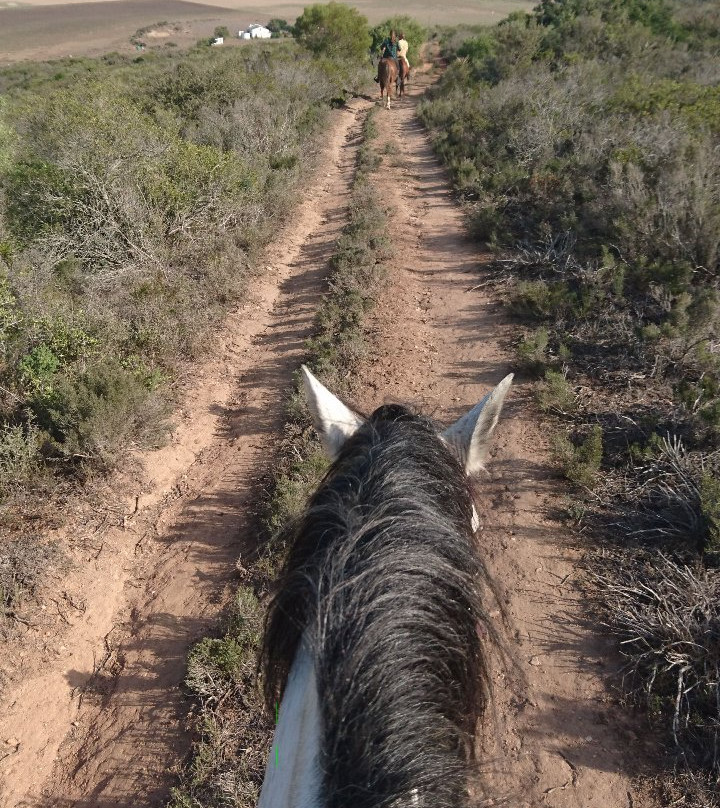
[255, 31]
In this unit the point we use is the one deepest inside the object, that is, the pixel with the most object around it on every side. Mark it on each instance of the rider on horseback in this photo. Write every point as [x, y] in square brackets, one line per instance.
[402, 53]
[389, 49]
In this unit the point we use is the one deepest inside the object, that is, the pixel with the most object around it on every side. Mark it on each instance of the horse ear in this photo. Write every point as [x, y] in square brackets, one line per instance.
[334, 421]
[469, 437]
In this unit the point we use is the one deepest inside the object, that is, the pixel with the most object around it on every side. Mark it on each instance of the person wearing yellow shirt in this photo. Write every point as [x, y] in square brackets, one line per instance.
[402, 52]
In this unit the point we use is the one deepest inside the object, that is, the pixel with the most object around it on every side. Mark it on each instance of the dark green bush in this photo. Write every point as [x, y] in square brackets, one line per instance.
[532, 351]
[98, 414]
[333, 30]
[581, 461]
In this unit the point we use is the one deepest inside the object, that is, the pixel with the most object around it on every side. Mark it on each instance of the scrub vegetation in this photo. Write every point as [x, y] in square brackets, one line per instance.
[135, 197]
[585, 139]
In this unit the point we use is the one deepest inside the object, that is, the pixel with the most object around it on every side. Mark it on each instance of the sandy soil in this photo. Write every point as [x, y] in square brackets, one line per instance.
[96, 718]
[46, 29]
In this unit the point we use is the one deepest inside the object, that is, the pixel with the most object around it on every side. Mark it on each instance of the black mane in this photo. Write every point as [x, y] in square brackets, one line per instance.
[383, 576]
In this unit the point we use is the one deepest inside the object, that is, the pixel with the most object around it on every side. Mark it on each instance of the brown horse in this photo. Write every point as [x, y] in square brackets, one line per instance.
[387, 74]
[403, 73]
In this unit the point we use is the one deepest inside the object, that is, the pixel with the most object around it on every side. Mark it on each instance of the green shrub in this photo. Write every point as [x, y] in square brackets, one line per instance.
[541, 300]
[580, 463]
[333, 30]
[38, 368]
[478, 48]
[97, 415]
[555, 394]
[20, 458]
[696, 104]
[294, 486]
[532, 351]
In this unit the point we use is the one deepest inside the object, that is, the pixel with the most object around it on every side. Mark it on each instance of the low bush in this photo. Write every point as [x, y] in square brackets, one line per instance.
[229, 757]
[531, 351]
[24, 562]
[96, 416]
[554, 393]
[21, 461]
[580, 461]
[584, 138]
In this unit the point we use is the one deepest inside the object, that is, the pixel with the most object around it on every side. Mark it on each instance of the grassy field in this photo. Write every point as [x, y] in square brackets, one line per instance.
[54, 30]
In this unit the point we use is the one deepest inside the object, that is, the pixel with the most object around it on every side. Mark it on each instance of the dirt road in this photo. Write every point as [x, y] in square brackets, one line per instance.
[100, 724]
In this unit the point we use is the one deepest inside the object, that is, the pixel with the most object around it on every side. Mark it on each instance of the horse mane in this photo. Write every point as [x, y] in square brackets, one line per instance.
[382, 582]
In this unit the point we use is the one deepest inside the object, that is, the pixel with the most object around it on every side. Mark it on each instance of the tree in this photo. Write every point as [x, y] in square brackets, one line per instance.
[277, 26]
[333, 30]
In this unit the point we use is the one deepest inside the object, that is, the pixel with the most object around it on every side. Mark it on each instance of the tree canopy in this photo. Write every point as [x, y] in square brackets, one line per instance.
[333, 30]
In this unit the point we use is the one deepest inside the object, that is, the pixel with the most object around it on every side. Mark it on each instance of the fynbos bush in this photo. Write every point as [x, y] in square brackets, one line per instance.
[585, 140]
[135, 198]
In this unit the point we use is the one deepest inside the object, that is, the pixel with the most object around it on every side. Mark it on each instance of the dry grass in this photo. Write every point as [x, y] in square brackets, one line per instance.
[666, 616]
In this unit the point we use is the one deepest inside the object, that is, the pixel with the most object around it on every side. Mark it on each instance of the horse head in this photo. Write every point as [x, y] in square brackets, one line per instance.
[375, 637]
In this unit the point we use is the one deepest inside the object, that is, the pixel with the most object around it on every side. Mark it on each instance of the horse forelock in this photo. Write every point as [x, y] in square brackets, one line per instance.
[382, 578]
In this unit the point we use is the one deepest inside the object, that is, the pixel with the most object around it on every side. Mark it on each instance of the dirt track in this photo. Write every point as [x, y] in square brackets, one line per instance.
[107, 735]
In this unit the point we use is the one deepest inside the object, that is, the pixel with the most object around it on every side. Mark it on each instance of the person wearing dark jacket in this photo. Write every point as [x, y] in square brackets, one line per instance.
[389, 49]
